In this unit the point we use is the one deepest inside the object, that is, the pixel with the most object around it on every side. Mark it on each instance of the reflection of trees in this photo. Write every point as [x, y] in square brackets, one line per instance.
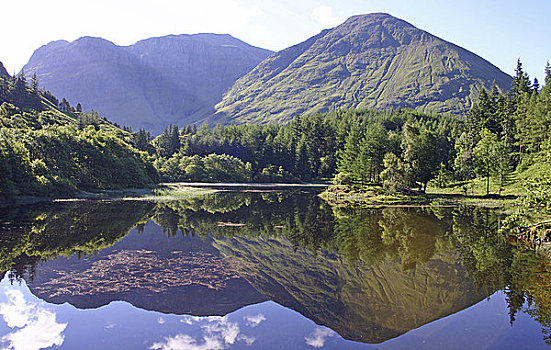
[484, 252]
[361, 235]
[530, 281]
[414, 235]
[494, 264]
[47, 232]
[303, 218]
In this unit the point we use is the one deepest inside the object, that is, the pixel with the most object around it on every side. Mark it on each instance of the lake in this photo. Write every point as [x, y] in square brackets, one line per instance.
[266, 269]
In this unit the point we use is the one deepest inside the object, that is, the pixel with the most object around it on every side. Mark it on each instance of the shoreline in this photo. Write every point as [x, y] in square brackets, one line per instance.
[163, 191]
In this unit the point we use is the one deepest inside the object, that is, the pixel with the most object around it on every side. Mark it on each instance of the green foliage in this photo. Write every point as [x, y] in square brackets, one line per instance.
[211, 168]
[508, 131]
[45, 152]
[306, 149]
[538, 194]
[394, 175]
[420, 154]
[488, 156]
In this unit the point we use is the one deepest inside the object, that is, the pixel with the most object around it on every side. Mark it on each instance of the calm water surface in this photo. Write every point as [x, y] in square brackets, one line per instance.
[265, 270]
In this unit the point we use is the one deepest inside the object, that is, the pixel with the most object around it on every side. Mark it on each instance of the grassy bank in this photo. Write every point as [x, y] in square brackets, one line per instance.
[374, 195]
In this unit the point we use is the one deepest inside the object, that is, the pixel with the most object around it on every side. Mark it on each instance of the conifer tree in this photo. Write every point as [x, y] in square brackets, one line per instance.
[349, 155]
[521, 83]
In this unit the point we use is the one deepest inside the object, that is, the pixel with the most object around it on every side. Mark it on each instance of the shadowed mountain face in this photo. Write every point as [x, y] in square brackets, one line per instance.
[369, 61]
[3, 71]
[172, 79]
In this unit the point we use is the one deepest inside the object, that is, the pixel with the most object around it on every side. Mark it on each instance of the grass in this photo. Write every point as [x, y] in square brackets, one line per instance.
[468, 192]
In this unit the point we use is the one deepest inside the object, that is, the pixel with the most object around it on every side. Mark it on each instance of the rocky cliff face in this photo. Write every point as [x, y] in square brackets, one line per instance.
[155, 82]
[369, 61]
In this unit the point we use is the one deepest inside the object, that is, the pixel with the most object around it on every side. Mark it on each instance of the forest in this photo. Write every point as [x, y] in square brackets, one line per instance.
[50, 149]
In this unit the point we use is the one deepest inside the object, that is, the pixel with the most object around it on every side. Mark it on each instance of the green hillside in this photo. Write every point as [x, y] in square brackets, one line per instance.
[369, 61]
[51, 149]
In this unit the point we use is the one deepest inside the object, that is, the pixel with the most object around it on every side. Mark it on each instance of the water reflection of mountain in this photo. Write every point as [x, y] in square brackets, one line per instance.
[368, 274]
[362, 303]
[182, 275]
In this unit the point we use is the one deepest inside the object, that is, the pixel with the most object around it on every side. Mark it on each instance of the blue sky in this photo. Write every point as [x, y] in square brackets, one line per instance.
[499, 31]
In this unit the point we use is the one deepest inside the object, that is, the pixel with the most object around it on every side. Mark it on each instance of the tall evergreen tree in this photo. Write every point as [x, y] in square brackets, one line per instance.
[349, 155]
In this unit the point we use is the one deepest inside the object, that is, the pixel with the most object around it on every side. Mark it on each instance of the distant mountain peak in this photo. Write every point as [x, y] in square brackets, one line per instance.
[175, 79]
[369, 61]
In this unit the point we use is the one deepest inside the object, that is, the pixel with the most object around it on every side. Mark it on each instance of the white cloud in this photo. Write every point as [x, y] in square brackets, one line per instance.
[253, 321]
[325, 16]
[218, 333]
[34, 326]
[187, 320]
[318, 337]
[161, 320]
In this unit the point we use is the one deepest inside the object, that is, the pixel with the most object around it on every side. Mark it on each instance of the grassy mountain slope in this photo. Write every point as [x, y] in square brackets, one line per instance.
[369, 61]
[175, 79]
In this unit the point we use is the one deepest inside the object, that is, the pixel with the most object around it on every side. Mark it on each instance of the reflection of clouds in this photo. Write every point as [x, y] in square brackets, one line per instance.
[248, 340]
[228, 331]
[36, 326]
[218, 333]
[187, 320]
[253, 321]
[318, 337]
[161, 320]
[185, 342]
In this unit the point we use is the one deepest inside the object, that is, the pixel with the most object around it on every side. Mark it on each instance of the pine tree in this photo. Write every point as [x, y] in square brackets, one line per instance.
[64, 105]
[303, 167]
[536, 85]
[349, 156]
[521, 83]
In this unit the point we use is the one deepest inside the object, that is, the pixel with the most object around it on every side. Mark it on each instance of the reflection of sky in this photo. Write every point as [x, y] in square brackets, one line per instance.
[27, 322]
[318, 337]
[218, 333]
[32, 325]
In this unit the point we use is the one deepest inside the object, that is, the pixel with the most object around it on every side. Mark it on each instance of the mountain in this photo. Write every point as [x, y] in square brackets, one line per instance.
[152, 83]
[369, 61]
[3, 71]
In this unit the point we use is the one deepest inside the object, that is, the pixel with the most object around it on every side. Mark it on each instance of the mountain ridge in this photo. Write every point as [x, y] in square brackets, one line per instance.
[174, 79]
[369, 61]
